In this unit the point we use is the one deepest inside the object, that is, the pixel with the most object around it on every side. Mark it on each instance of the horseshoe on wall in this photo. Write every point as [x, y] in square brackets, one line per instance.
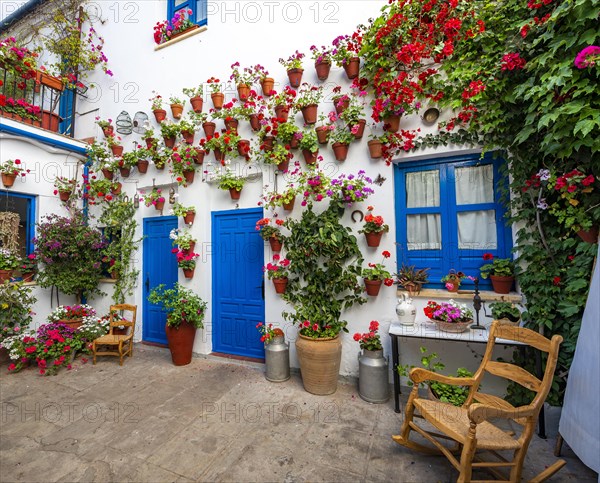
[354, 213]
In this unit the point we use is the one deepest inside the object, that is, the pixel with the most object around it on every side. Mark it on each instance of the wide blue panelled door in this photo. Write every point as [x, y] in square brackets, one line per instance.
[160, 266]
[238, 290]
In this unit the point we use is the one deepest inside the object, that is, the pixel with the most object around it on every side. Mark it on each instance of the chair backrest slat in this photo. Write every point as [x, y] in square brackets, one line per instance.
[521, 334]
[514, 373]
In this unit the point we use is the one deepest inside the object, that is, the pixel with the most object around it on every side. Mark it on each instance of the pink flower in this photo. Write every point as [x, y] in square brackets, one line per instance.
[315, 327]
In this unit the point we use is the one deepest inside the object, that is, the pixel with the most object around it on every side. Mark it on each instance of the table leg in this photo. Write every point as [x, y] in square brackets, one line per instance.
[395, 362]
[542, 415]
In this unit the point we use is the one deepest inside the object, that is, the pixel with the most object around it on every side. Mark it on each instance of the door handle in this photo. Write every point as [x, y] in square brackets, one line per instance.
[262, 288]
[147, 284]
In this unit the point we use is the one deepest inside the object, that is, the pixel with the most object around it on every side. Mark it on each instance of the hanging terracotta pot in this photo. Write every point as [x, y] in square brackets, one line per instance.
[309, 156]
[108, 173]
[309, 113]
[322, 69]
[243, 147]
[28, 277]
[209, 128]
[276, 244]
[589, 236]
[235, 194]
[502, 284]
[188, 136]
[360, 130]
[452, 287]
[352, 67]
[188, 272]
[282, 112]
[340, 151]
[125, 172]
[254, 122]
[284, 165]
[373, 287]
[189, 217]
[295, 77]
[341, 103]
[319, 363]
[322, 134]
[294, 142]
[64, 195]
[268, 143]
[142, 165]
[199, 159]
[289, 206]
[150, 143]
[159, 115]
[391, 123]
[108, 131]
[116, 188]
[373, 238]
[117, 150]
[5, 275]
[231, 124]
[280, 284]
[190, 249]
[243, 91]
[267, 85]
[8, 179]
[189, 176]
[169, 141]
[197, 103]
[159, 205]
[181, 342]
[217, 99]
[375, 148]
[177, 110]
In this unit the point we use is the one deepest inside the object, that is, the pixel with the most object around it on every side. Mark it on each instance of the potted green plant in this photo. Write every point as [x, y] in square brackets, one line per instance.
[322, 58]
[157, 107]
[127, 162]
[376, 275]
[176, 106]
[182, 237]
[185, 314]
[506, 312]
[229, 181]
[222, 144]
[9, 261]
[154, 198]
[184, 164]
[279, 156]
[345, 54]
[28, 267]
[307, 102]
[99, 155]
[216, 95]
[186, 260]
[501, 272]
[278, 271]
[169, 131]
[411, 278]
[373, 228]
[293, 66]
[16, 314]
[261, 75]
[196, 97]
[449, 316]
[106, 126]
[373, 385]
[64, 187]
[10, 169]
[243, 80]
[71, 315]
[187, 212]
[309, 145]
[353, 116]
[452, 280]
[271, 233]
[287, 134]
[114, 143]
[341, 138]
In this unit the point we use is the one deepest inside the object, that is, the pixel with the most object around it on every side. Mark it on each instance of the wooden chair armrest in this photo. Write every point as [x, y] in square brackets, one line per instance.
[418, 375]
[482, 412]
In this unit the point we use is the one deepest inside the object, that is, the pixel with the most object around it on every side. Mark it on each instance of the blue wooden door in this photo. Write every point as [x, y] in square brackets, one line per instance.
[238, 290]
[160, 266]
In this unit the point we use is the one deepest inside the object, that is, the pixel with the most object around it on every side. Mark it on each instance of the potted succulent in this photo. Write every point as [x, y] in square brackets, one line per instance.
[506, 312]
[307, 102]
[293, 66]
[64, 187]
[196, 97]
[449, 316]
[229, 181]
[271, 233]
[322, 58]
[412, 279]
[376, 275]
[10, 169]
[187, 212]
[186, 260]
[278, 272]
[501, 272]
[8, 262]
[185, 314]
[374, 228]
[373, 385]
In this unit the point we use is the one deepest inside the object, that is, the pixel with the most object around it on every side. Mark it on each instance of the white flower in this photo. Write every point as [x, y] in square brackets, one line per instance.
[544, 174]
[542, 205]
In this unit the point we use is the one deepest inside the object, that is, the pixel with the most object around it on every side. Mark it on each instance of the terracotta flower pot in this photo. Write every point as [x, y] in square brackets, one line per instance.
[73, 323]
[309, 113]
[243, 91]
[125, 172]
[294, 142]
[452, 287]
[276, 244]
[235, 194]
[280, 284]
[209, 128]
[289, 206]
[116, 188]
[188, 136]
[254, 122]
[117, 150]
[373, 238]
[149, 142]
[188, 272]
[589, 236]
[8, 179]
[340, 105]
[189, 250]
[189, 217]
[142, 165]
[28, 277]
[391, 123]
[340, 151]
[218, 98]
[169, 141]
[267, 85]
[373, 287]
[322, 134]
[243, 147]
[108, 174]
[231, 124]
[295, 77]
[64, 195]
[322, 69]
[282, 112]
[159, 205]
[375, 149]
[108, 131]
[502, 284]
[177, 110]
[189, 176]
[197, 103]
[159, 115]
[219, 155]
[181, 343]
[360, 130]
[352, 67]
[268, 143]
[284, 165]
[319, 363]
[309, 157]
[5, 275]
[199, 159]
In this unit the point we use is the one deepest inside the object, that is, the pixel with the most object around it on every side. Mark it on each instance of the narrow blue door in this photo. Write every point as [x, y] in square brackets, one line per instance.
[238, 290]
[160, 266]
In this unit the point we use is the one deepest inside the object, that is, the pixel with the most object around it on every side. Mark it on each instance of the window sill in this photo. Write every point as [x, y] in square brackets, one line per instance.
[108, 280]
[190, 33]
[486, 295]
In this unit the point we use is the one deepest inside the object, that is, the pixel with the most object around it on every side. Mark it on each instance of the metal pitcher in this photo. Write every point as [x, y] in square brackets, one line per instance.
[277, 359]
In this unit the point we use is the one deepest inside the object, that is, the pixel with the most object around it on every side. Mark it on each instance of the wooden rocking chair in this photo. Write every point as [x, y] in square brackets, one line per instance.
[122, 344]
[468, 426]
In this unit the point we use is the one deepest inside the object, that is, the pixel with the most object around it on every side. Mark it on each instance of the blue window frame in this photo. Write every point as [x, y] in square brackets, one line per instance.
[448, 214]
[198, 8]
[24, 205]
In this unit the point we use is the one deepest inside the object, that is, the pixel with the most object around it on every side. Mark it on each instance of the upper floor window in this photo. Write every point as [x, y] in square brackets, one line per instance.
[448, 214]
[198, 8]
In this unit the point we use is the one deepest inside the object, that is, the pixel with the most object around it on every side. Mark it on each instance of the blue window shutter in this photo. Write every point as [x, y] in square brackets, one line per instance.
[198, 8]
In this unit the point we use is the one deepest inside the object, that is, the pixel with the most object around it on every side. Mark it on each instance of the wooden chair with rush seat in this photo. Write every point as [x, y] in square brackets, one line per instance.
[469, 427]
[113, 343]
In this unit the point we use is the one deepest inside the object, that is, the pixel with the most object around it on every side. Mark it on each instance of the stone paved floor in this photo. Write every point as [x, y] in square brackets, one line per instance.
[209, 421]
